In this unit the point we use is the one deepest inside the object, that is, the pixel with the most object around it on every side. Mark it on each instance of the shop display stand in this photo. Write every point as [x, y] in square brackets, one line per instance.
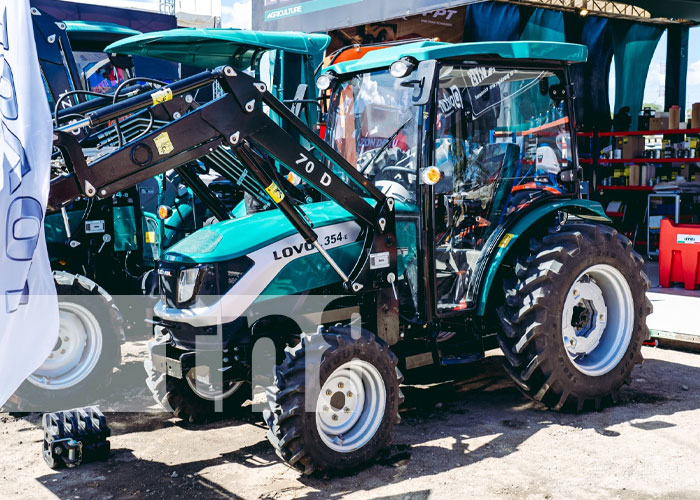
[597, 161]
[633, 220]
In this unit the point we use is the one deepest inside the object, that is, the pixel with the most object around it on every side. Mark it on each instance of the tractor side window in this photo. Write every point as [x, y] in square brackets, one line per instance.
[98, 73]
[501, 141]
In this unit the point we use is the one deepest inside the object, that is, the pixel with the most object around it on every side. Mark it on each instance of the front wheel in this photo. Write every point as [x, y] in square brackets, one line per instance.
[335, 401]
[194, 398]
[575, 316]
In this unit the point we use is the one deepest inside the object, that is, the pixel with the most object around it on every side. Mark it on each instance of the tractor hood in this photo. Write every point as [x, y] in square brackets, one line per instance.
[233, 238]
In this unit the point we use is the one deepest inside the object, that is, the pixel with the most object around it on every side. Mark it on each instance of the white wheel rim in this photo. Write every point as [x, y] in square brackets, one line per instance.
[350, 406]
[598, 320]
[77, 350]
[202, 386]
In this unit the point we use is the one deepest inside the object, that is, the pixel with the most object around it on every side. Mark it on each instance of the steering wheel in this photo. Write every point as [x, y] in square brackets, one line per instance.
[406, 170]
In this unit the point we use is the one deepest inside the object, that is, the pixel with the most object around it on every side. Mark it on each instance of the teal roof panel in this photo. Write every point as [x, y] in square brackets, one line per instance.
[212, 47]
[425, 50]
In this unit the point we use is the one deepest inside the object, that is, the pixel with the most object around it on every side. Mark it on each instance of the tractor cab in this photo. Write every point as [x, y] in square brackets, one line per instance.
[492, 137]
[99, 72]
[282, 60]
[209, 48]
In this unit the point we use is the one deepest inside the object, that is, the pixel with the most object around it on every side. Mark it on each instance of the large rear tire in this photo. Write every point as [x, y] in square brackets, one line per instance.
[88, 349]
[341, 415]
[575, 316]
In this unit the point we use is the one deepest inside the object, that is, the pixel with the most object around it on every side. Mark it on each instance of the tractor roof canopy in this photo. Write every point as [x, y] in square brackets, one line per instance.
[425, 50]
[212, 47]
[94, 32]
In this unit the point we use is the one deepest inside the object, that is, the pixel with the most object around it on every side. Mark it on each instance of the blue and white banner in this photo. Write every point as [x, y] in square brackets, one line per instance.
[28, 303]
[327, 15]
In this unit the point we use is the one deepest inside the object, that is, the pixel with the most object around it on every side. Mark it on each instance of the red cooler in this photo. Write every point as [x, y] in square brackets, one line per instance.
[679, 254]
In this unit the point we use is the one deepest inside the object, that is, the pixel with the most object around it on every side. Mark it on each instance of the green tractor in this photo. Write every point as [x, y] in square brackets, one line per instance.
[288, 69]
[440, 217]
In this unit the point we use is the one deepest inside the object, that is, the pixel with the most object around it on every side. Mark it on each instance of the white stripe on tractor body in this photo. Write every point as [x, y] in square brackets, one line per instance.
[268, 262]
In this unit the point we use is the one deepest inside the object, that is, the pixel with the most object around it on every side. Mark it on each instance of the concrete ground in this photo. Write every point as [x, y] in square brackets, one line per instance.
[474, 436]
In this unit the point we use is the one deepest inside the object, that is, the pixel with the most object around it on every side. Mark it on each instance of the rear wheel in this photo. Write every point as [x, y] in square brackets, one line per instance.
[342, 414]
[86, 352]
[575, 316]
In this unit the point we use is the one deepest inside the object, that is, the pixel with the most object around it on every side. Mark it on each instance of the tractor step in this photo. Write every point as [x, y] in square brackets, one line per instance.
[74, 436]
[457, 359]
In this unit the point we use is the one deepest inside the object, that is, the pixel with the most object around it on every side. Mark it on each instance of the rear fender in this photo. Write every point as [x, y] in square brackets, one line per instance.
[505, 238]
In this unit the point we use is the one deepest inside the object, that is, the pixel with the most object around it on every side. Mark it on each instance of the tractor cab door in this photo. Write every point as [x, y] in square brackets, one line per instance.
[502, 141]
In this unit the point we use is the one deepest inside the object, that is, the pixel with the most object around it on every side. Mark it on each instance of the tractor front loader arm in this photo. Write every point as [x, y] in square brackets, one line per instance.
[237, 119]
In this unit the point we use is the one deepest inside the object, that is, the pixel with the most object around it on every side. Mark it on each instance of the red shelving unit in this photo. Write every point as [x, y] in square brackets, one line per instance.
[625, 188]
[632, 220]
[642, 132]
[555, 124]
[589, 161]
[537, 130]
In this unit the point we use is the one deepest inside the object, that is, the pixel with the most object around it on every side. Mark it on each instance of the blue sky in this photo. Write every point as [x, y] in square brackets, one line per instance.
[654, 89]
[237, 13]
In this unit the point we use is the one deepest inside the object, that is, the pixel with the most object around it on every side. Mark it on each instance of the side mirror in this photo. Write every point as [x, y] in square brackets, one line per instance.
[424, 83]
[121, 61]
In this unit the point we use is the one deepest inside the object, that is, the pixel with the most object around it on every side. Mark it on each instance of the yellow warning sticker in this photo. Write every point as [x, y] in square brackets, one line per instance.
[163, 144]
[506, 239]
[275, 192]
[150, 236]
[162, 95]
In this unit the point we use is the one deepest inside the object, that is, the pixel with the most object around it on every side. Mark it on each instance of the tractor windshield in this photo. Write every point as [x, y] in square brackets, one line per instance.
[374, 125]
[502, 141]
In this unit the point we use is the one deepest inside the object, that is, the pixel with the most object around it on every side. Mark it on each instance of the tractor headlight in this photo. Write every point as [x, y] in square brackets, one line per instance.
[326, 81]
[402, 68]
[186, 284]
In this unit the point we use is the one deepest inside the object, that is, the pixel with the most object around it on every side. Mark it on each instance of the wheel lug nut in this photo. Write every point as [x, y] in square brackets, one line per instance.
[329, 392]
[334, 417]
[63, 351]
[346, 410]
[325, 408]
[349, 394]
[340, 385]
[65, 339]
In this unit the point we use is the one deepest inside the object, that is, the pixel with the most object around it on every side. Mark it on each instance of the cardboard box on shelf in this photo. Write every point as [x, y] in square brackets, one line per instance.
[674, 118]
[686, 171]
[634, 174]
[632, 146]
[658, 123]
[695, 114]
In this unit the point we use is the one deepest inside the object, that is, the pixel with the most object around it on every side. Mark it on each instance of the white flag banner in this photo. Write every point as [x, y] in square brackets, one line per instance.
[28, 303]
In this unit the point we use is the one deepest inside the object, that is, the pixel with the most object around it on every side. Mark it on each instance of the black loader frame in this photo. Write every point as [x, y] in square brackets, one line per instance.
[237, 119]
